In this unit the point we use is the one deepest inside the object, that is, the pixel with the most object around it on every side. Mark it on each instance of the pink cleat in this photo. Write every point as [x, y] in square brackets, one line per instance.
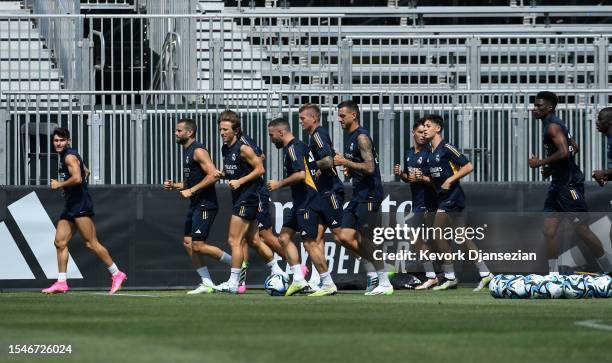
[242, 289]
[59, 287]
[117, 282]
[305, 270]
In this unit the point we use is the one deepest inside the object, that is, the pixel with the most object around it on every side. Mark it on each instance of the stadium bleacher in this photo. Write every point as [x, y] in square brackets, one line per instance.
[26, 63]
[400, 62]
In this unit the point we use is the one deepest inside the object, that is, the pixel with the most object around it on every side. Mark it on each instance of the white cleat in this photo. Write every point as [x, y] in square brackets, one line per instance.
[371, 284]
[325, 290]
[203, 288]
[226, 288]
[381, 290]
[484, 282]
[314, 286]
[447, 285]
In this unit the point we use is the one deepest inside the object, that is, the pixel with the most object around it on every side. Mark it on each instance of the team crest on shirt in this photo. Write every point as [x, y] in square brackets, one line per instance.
[437, 158]
[234, 157]
[420, 160]
[186, 159]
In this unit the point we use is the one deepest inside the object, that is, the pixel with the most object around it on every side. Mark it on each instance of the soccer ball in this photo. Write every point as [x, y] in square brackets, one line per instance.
[602, 286]
[502, 285]
[517, 289]
[589, 283]
[532, 281]
[574, 287]
[547, 290]
[554, 278]
[494, 286]
[276, 285]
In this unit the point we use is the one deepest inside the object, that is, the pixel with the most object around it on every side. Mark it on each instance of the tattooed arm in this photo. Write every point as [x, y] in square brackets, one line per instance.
[365, 148]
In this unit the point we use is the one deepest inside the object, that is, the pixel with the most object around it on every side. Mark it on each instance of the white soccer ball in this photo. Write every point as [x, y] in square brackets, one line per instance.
[547, 290]
[502, 285]
[532, 281]
[494, 286]
[554, 277]
[602, 286]
[589, 283]
[276, 285]
[575, 287]
[517, 289]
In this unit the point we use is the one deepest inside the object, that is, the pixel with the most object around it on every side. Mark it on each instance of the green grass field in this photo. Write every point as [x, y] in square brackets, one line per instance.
[168, 326]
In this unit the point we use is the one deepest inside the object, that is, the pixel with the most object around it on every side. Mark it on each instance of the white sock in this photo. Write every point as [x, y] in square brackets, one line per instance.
[605, 262]
[113, 269]
[449, 271]
[314, 275]
[234, 276]
[372, 274]
[274, 267]
[483, 270]
[226, 259]
[326, 278]
[61, 276]
[203, 272]
[297, 273]
[383, 279]
[429, 270]
[553, 266]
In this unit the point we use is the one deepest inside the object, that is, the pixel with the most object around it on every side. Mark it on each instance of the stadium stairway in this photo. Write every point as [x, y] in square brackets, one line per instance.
[26, 63]
[242, 63]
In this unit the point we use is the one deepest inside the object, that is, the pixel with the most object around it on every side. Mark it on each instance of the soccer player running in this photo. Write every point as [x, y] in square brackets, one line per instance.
[566, 191]
[424, 199]
[243, 167]
[300, 175]
[446, 167]
[199, 186]
[360, 162]
[264, 224]
[77, 214]
[329, 185]
[604, 125]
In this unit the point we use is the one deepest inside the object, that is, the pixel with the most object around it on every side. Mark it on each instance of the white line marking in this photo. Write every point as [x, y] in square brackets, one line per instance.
[594, 324]
[120, 294]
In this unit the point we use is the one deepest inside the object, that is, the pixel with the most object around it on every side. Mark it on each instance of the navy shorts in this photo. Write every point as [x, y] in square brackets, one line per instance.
[447, 203]
[304, 221]
[331, 210]
[81, 208]
[264, 221]
[567, 199]
[198, 222]
[245, 211]
[360, 214]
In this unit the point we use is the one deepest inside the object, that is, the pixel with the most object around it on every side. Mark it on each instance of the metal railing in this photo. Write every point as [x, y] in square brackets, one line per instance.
[109, 4]
[127, 143]
[62, 35]
[173, 39]
[293, 52]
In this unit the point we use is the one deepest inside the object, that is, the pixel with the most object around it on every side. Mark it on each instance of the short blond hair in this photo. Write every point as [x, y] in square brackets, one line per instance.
[314, 108]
